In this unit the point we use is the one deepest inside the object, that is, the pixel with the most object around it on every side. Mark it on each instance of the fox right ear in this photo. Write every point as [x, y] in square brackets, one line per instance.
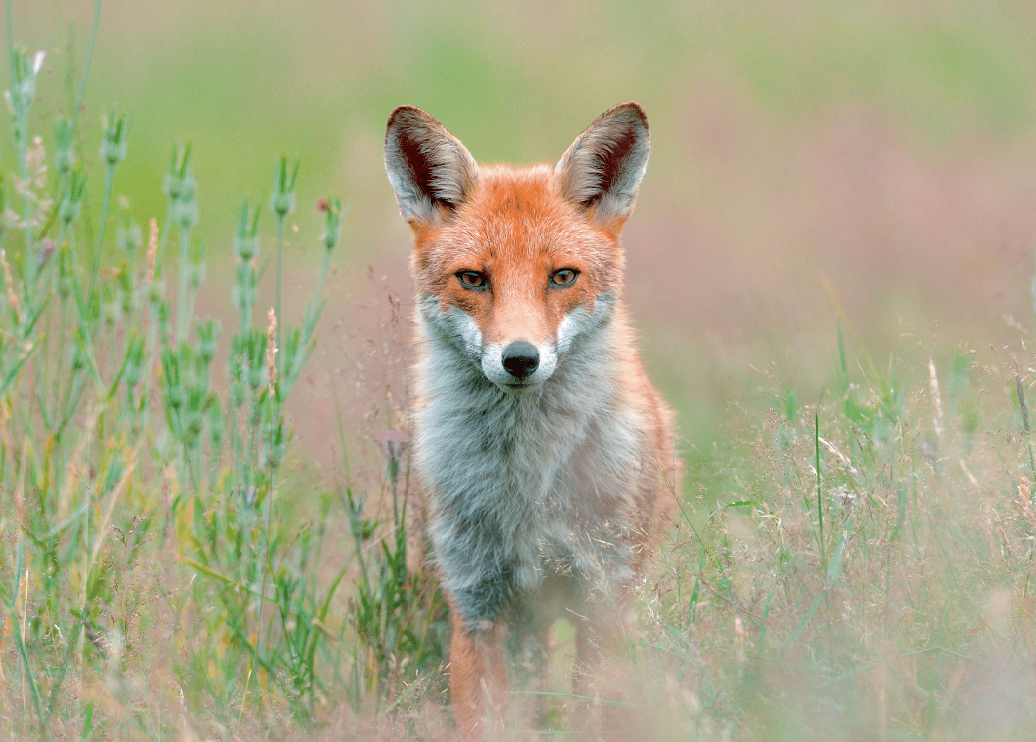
[429, 169]
[602, 170]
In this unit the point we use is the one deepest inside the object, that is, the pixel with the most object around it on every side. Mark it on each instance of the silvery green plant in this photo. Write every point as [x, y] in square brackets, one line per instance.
[24, 71]
[112, 152]
[282, 203]
[121, 442]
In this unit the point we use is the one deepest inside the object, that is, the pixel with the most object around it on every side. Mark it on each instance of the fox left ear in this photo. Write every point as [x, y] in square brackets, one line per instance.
[602, 170]
[429, 169]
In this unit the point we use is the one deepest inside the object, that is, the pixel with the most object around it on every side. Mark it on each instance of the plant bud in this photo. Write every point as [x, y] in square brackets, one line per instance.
[113, 145]
[129, 236]
[193, 428]
[71, 203]
[215, 424]
[246, 242]
[64, 157]
[110, 313]
[78, 362]
[69, 211]
[64, 271]
[246, 247]
[196, 274]
[175, 396]
[179, 166]
[333, 231]
[282, 201]
[156, 292]
[186, 210]
[208, 333]
[172, 185]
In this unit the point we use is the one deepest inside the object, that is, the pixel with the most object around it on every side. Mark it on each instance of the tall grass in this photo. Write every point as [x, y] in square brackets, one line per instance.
[860, 568]
[855, 568]
[145, 571]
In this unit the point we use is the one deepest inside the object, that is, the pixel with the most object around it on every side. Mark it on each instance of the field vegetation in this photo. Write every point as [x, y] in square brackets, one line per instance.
[205, 516]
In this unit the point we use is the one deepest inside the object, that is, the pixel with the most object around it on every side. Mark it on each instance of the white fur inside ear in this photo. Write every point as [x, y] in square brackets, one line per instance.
[603, 168]
[429, 169]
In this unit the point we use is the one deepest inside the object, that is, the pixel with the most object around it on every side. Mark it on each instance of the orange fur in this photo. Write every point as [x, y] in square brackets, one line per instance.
[541, 483]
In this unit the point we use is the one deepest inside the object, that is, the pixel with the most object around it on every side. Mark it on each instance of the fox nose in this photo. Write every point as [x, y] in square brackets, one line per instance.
[520, 359]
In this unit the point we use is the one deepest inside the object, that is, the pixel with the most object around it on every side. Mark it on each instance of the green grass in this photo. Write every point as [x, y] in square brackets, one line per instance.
[142, 549]
[857, 566]
[885, 594]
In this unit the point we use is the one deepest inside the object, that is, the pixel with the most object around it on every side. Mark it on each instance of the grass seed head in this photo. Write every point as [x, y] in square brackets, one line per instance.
[12, 295]
[271, 350]
[152, 250]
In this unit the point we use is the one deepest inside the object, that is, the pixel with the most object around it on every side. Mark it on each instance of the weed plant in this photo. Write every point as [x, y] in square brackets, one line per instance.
[861, 568]
[146, 578]
[856, 568]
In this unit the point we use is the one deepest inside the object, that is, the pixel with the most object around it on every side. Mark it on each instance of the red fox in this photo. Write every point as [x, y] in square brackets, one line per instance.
[547, 456]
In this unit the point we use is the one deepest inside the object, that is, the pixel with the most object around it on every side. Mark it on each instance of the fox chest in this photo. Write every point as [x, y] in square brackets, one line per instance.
[518, 498]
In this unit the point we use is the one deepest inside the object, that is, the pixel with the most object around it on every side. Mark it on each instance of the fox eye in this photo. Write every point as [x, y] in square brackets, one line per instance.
[472, 279]
[564, 277]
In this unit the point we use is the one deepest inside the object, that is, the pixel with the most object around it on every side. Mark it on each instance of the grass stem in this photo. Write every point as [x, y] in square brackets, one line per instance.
[820, 501]
[87, 62]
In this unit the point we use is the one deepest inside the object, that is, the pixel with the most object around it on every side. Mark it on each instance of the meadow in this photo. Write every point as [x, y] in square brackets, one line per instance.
[204, 481]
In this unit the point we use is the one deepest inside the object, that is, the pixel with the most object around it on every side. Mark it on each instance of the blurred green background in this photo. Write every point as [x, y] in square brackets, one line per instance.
[876, 160]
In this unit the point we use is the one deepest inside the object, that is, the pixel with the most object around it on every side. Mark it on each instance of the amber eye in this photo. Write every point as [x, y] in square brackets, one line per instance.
[564, 277]
[472, 280]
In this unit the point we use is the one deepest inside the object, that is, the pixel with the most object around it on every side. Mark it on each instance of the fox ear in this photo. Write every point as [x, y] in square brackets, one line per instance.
[602, 170]
[429, 169]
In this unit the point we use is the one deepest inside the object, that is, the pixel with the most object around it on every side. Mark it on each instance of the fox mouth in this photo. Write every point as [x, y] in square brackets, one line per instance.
[518, 387]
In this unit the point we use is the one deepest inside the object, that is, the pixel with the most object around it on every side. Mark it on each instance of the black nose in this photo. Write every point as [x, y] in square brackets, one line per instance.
[521, 359]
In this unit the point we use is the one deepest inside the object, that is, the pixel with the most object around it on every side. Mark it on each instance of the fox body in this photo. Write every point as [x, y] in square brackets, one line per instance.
[546, 455]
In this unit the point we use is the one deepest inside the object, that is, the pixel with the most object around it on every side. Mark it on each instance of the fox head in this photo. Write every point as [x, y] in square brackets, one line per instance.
[513, 265]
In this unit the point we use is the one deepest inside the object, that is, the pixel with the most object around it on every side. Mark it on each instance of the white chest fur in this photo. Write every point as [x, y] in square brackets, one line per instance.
[523, 487]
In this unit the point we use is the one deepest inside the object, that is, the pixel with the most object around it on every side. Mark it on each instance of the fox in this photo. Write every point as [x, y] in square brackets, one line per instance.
[546, 456]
